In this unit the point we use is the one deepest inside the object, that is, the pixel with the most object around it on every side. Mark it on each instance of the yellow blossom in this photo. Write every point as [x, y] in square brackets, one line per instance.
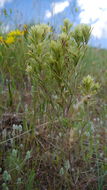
[9, 40]
[1, 39]
[16, 33]
[25, 26]
[25, 29]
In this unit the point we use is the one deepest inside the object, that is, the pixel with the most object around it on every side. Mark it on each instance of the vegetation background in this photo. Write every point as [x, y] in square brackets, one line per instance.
[53, 109]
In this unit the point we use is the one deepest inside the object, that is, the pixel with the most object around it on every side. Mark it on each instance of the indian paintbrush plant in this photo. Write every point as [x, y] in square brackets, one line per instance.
[53, 64]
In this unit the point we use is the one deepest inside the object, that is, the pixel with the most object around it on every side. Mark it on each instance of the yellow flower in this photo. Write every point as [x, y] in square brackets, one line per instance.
[25, 29]
[22, 33]
[1, 39]
[9, 40]
[25, 26]
[16, 33]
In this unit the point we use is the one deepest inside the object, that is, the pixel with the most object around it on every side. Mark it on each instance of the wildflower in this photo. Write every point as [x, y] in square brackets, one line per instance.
[39, 32]
[66, 26]
[22, 33]
[29, 69]
[28, 155]
[6, 176]
[14, 153]
[89, 86]
[9, 40]
[20, 128]
[82, 33]
[61, 172]
[67, 165]
[1, 39]
[25, 28]
[16, 33]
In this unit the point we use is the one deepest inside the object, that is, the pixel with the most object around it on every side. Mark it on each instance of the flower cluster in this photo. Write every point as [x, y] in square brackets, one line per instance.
[10, 40]
[16, 33]
[1, 39]
[29, 68]
[82, 33]
[89, 86]
[39, 32]
[11, 37]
